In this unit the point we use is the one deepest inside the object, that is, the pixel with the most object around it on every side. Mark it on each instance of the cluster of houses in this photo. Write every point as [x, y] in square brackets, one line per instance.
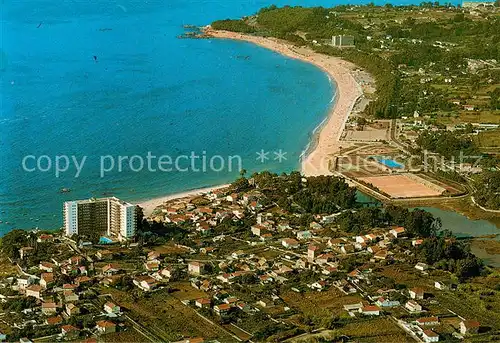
[60, 284]
[424, 328]
[205, 218]
[301, 249]
[59, 287]
[421, 327]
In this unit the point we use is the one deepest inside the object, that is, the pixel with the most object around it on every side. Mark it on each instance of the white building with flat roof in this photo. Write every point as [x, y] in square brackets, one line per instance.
[100, 216]
[343, 41]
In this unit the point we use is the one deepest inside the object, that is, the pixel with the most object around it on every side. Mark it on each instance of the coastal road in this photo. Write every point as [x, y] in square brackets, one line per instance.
[394, 138]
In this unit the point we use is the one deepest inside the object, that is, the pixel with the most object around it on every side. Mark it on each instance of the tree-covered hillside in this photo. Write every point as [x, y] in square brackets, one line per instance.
[422, 57]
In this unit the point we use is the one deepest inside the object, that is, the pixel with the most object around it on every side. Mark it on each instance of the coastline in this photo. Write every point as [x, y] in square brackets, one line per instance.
[149, 205]
[325, 139]
[325, 142]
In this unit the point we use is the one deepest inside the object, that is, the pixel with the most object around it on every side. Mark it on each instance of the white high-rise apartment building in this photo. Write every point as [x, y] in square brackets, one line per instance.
[103, 216]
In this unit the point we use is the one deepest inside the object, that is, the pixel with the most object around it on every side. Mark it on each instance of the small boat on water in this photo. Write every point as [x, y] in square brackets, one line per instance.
[65, 190]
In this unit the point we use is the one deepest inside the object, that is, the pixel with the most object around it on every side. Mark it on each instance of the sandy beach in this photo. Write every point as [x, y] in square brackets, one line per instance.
[150, 205]
[327, 143]
[348, 91]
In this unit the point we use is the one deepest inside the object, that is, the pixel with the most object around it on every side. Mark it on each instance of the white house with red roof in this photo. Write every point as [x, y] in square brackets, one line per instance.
[397, 232]
[312, 251]
[290, 243]
[413, 306]
[105, 327]
[203, 303]
[428, 321]
[430, 336]
[370, 310]
[111, 308]
[222, 309]
[416, 293]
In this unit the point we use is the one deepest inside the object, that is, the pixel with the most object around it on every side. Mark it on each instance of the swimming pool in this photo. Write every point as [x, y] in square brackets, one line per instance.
[105, 240]
[390, 163]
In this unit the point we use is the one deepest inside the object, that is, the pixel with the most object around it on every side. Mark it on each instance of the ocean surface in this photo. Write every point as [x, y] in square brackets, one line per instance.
[103, 79]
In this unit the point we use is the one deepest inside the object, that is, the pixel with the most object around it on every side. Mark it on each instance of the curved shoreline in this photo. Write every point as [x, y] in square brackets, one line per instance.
[148, 206]
[348, 91]
[325, 139]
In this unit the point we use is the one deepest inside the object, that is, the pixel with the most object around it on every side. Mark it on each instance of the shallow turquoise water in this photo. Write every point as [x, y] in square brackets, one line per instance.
[390, 163]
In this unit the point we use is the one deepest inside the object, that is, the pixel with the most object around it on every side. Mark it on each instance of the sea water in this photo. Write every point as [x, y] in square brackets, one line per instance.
[98, 78]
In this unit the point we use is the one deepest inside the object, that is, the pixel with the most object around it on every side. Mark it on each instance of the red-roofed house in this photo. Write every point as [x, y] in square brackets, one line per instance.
[370, 310]
[430, 336]
[397, 232]
[34, 291]
[152, 266]
[46, 267]
[146, 283]
[105, 326]
[110, 269]
[203, 303]
[417, 242]
[312, 251]
[413, 306]
[290, 243]
[222, 309]
[54, 320]
[46, 280]
[416, 293]
[45, 238]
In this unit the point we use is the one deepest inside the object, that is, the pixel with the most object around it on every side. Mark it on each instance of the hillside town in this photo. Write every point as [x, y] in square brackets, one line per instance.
[233, 265]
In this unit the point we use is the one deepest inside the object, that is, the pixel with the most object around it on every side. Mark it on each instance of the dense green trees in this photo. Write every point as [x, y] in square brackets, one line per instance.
[291, 19]
[382, 47]
[446, 143]
[449, 254]
[321, 194]
[233, 25]
[418, 223]
[18, 304]
[13, 241]
[487, 187]
[324, 194]
[495, 99]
